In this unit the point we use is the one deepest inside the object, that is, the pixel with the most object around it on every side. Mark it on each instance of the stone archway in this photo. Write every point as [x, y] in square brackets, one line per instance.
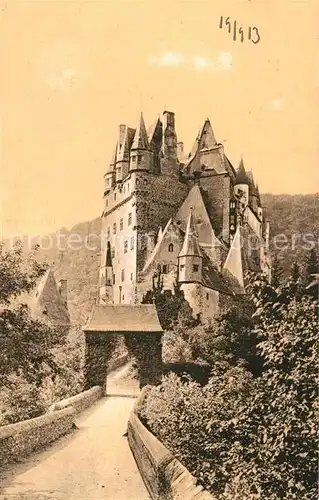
[142, 331]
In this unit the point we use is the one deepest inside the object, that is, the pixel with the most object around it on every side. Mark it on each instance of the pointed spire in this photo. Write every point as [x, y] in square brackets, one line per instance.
[190, 245]
[140, 139]
[258, 194]
[108, 260]
[234, 260]
[124, 152]
[241, 177]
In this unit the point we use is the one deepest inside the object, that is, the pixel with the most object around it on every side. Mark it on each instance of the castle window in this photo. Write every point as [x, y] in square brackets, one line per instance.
[195, 268]
[123, 274]
[139, 158]
[114, 196]
[129, 222]
[121, 224]
[132, 243]
[114, 228]
[113, 279]
[165, 269]
[131, 276]
[171, 247]
[122, 297]
[125, 246]
[232, 204]
[182, 267]
[145, 181]
[207, 296]
[108, 232]
[113, 252]
[137, 182]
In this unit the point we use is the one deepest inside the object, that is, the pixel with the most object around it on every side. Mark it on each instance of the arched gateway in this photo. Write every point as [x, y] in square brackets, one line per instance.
[142, 331]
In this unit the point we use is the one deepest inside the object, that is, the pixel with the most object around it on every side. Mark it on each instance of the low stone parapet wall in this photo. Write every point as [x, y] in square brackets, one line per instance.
[80, 401]
[20, 439]
[164, 476]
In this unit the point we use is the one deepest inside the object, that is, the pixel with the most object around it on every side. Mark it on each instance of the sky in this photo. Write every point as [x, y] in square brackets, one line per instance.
[74, 70]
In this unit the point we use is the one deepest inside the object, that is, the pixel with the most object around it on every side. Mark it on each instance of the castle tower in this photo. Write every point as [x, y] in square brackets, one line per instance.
[106, 276]
[109, 176]
[123, 156]
[141, 156]
[242, 183]
[169, 164]
[190, 258]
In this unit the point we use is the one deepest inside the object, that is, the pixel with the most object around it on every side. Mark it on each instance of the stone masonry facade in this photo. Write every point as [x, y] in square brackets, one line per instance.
[189, 218]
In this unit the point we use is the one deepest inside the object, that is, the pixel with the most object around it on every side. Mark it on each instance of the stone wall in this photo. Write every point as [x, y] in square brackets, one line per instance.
[164, 476]
[21, 439]
[80, 401]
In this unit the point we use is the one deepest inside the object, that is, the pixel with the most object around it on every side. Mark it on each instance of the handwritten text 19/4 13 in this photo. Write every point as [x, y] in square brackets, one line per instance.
[238, 31]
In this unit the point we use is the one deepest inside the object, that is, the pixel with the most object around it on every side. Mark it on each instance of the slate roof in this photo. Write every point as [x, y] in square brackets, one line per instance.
[124, 318]
[190, 245]
[140, 138]
[45, 301]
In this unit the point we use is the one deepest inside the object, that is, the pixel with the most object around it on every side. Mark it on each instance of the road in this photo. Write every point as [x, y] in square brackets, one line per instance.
[92, 463]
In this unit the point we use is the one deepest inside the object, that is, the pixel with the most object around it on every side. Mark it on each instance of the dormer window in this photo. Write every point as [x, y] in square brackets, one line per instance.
[171, 247]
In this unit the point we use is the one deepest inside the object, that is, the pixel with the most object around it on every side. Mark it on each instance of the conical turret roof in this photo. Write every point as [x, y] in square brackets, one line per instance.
[242, 177]
[140, 139]
[190, 245]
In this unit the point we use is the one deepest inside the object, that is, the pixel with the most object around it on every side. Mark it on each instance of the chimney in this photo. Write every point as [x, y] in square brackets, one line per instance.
[169, 145]
[63, 290]
[122, 130]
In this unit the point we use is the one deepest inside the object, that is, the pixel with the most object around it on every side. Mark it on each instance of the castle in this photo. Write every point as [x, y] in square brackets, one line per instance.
[194, 219]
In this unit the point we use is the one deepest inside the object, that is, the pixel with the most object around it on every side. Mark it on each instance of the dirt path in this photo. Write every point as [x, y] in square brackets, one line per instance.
[92, 463]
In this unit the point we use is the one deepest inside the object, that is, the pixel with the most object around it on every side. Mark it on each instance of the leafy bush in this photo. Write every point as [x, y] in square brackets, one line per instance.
[246, 437]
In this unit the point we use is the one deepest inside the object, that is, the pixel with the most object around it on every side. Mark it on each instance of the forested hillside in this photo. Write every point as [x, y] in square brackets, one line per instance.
[75, 253]
[296, 217]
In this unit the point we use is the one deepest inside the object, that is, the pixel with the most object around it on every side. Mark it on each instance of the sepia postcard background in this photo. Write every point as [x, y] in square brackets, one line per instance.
[72, 70]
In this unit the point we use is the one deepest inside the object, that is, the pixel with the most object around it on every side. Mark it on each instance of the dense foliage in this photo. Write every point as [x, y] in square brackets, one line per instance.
[246, 436]
[38, 363]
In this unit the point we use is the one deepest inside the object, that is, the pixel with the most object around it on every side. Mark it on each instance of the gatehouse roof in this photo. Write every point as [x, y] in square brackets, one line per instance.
[124, 318]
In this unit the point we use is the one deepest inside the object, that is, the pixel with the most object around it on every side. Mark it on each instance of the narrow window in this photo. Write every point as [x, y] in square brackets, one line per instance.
[139, 158]
[106, 202]
[113, 252]
[114, 196]
[137, 182]
[207, 296]
[145, 181]
[129, 222]
[131, 276]
[123, 274]
[195, 268]
[113, 279]
[165, 269]
[182, 267]
[114, 228]
[132, 243]
[170, 247]
[121, 224]
[125, 246]
[108, 232]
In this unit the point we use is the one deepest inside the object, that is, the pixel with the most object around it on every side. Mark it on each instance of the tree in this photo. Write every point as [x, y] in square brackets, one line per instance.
[245, 437]
[277, 271]
[168, 304]
[27, 345]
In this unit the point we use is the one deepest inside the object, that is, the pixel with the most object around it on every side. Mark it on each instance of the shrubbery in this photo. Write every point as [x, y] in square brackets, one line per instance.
[39, 364]
[246, 436]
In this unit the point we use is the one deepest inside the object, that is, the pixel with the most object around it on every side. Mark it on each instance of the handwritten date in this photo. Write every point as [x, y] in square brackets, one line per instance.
[238, 32]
